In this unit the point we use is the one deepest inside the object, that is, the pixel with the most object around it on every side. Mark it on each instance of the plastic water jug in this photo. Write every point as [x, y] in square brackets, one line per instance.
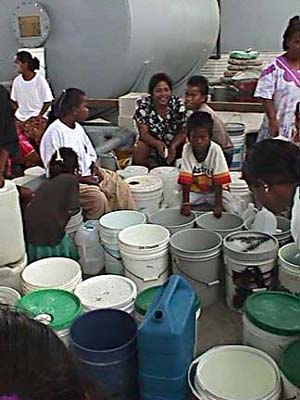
[265, 222]
[166, 341]
[92, 256]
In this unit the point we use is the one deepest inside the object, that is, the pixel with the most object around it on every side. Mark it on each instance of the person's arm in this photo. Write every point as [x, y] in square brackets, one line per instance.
[150, 140]
[271, 113]
[178, 141]
[3, 160]
[44, 109]
[218, 208]
[186, 205]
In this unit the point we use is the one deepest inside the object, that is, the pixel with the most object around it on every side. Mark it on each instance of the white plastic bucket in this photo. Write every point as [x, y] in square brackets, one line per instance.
[171, 188]
[111, 225]
[248, 271]
[173, 220]
[10, 275]
[147, 192]
[11, 226]
[237, 135]
[240, 189]
[288, 273]
[35, 171]
[9, 296]
[234, 373]
[52, 273]
[271, 321]
[283, 233]
[145, 253]
[196, 254]
[133, 170]
[107, 291]
[228, 223]
[74, 223]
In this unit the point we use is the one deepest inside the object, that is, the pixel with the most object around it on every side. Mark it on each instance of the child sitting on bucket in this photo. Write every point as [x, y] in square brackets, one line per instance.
[51, 207]
[204, 170]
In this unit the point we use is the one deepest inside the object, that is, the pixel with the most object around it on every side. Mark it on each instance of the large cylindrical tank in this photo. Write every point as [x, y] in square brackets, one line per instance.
[111, 47]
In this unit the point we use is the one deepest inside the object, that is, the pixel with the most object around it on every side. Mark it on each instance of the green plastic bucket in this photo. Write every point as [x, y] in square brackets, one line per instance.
[53, 307]
[289, 364]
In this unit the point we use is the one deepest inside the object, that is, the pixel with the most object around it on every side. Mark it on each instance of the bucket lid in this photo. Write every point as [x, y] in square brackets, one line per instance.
[107, 291]
[146, 297]
[274, 312]
[290, 363]
[54, 307]
[243, 373]
[144, 183]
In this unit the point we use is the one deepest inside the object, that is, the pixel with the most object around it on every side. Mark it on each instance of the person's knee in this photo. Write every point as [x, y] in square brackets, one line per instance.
[94, 202]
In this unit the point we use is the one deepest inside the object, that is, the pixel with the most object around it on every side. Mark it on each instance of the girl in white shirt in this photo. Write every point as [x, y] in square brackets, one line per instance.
[32, 96]
[100, 190]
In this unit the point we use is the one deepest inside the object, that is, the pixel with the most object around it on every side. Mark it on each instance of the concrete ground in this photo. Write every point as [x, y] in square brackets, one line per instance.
[218, 325]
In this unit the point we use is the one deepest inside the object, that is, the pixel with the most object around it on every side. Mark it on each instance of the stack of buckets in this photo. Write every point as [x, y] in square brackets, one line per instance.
[237, 134]
[74, 223]
[13, 257]
[171, 188]
[110, 226]
[54, 273]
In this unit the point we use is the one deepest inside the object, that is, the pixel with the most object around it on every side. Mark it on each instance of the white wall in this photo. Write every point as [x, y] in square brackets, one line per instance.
[256, 23]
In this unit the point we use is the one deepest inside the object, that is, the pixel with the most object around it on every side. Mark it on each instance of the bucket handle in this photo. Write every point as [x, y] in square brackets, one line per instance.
[191, 386]
[110, 254]
[209, 284]
[147, 279]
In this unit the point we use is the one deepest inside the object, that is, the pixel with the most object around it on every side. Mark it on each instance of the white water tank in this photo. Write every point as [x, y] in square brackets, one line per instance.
[12, 246]
[111, 47]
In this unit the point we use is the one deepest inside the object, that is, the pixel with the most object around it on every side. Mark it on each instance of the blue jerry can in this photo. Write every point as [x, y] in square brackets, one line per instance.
[166, 340]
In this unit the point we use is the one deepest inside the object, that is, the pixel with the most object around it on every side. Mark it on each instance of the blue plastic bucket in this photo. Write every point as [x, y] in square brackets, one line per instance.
[105, 342]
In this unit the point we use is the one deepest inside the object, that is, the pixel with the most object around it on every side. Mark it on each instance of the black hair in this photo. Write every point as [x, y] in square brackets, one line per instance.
[201, 82]
[68, 100]
[293, 27]
[64, 161]
[160, 77]
[200, 119]
[26, 57]
[35, 364]
[272, 161]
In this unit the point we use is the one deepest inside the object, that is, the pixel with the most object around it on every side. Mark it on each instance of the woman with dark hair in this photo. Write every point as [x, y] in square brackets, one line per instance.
[100, 190]
[32, 97]
[272, 170]
[279, 87]
[9, 145]
[36, 365]
[161, 120]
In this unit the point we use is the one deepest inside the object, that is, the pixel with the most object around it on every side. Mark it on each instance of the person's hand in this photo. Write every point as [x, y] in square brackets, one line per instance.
[96, 171]
[39, 119]
[171, 154]
[90, 180]
[161, 148]
[186, 209]
[218, 211]
[274, 127]
[2, 181]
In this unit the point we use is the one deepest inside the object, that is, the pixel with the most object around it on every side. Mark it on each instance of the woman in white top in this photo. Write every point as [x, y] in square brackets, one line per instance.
[32, 96]
[100, 190]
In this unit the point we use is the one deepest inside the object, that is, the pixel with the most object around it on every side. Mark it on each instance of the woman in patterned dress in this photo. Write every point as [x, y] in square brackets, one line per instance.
[279, 87]
[161, 120]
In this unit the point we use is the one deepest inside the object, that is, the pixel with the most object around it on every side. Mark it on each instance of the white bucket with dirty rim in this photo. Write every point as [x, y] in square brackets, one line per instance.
[52, 273]
[107, 291]
[9, 296]
[288, 273]
[74, 224]
[228, 223]
[171, 188]
[283, 232]
[248, 271]
[147, 191]
[145, 253]
[111, 225]
[235, 373]
[271, 321]
[196, 255]
[173, 219]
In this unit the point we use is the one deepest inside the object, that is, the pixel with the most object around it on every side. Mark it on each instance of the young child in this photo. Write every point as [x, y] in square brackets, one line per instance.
[50, 209]
[204, 169]
[196, 98]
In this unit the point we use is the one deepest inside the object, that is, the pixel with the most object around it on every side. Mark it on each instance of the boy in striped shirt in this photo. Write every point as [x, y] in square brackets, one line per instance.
[204, 170]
